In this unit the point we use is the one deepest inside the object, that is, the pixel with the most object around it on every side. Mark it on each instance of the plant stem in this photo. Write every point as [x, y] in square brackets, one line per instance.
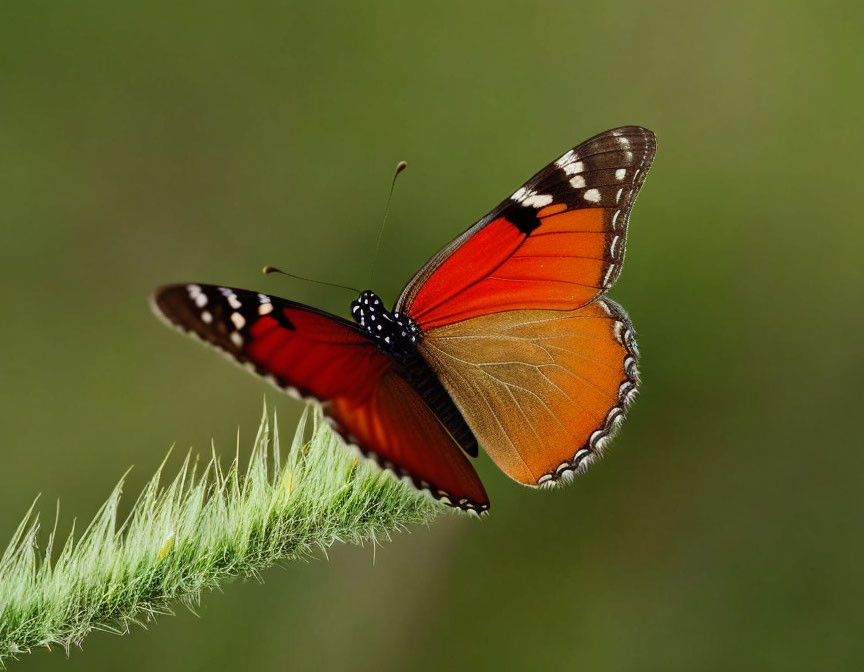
[204, 527]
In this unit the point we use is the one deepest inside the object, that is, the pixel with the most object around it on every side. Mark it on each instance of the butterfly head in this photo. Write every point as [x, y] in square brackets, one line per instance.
[394, 333]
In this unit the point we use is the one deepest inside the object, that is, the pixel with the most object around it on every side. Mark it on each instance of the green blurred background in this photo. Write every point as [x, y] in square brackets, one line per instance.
[147, 143]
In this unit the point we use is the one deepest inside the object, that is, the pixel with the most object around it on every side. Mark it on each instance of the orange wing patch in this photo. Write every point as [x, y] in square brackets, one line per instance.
[543, 391]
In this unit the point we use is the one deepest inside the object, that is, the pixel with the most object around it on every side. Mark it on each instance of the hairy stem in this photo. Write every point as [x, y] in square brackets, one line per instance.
[205, 526]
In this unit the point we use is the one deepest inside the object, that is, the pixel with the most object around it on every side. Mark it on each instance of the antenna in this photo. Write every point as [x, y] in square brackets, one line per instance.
[267, 270]
[399, 168]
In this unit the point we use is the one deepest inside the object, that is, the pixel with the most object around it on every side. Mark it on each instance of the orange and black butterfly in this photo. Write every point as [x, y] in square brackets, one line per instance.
[505, 338]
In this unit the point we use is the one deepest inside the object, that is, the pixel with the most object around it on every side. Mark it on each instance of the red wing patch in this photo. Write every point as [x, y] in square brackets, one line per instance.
[309, 353]
[407, 438]
[557, 243]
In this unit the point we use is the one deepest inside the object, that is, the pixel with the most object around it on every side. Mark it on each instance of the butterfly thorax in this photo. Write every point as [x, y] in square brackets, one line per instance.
[394, 333]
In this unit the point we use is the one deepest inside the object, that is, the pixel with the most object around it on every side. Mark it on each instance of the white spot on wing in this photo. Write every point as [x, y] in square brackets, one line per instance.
[238, 320]
[236, 339]
[620, 174]
[206, 317]
[592, 195]
[538, 201]
[577, 182]
[265, 308]
[530, 198]
[573, 168]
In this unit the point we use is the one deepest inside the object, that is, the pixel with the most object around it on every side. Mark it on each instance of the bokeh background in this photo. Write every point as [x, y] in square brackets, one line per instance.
[142, 143]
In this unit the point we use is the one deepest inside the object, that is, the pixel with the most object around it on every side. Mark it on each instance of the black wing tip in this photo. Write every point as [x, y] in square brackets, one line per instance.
[163, 302]
[202, 311]
[164, 296]
[646, 138]
[174, 305]
[629, 130]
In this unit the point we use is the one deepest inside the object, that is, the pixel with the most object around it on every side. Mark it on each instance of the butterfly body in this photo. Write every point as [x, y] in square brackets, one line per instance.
[396, 334]
[505, 338]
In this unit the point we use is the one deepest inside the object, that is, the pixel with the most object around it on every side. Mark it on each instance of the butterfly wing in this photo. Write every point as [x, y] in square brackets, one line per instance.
[555, 244]
[543, 391]
[311, 354]
[540, 364]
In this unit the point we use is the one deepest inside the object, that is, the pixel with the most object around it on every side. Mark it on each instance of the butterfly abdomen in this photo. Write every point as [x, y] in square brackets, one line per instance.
[416, 371]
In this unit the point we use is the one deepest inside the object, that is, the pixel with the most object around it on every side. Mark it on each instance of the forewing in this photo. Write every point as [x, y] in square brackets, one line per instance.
[557, 243]
[311, 354]
[303, 351]
[543, 391]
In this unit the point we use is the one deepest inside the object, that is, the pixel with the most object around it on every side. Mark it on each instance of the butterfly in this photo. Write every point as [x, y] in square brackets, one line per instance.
[504, 339]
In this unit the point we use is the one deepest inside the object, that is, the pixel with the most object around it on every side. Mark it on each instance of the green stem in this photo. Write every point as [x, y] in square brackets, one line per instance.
[204, 527]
